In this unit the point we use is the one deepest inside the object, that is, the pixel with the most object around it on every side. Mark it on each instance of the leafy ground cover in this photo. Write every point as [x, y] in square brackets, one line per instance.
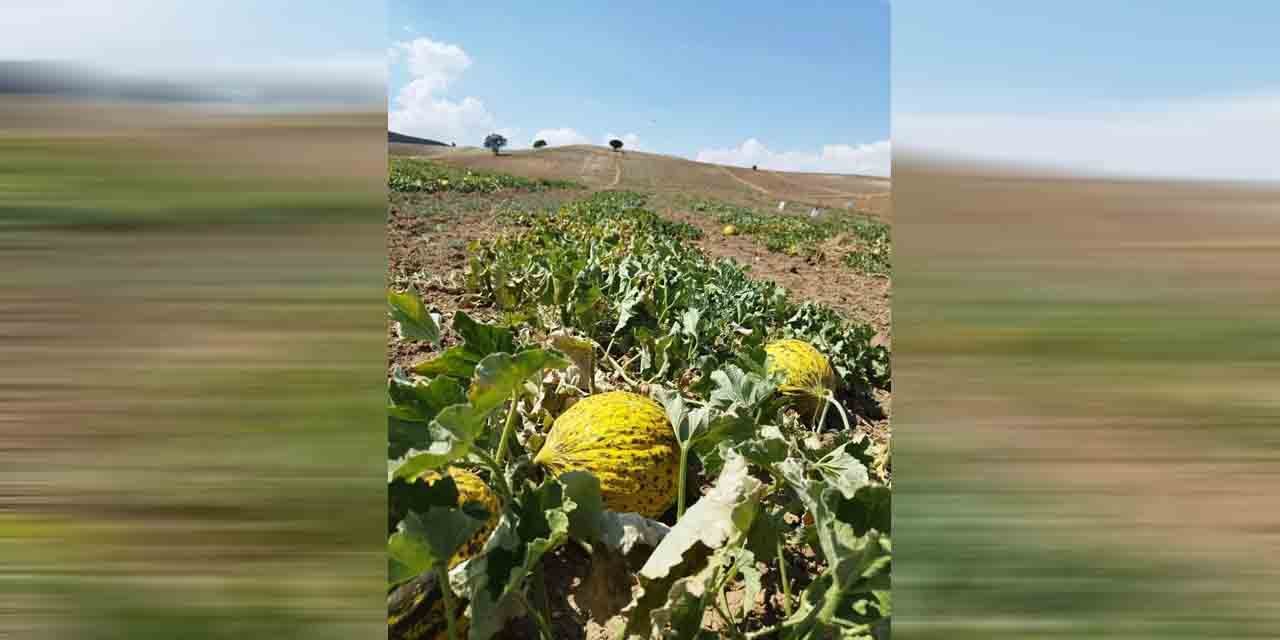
[409, 175]
[786, 530]
[864, 241]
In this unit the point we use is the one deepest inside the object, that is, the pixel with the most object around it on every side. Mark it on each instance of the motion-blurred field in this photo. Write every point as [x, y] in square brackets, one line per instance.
[190, 392]
[1086, 416]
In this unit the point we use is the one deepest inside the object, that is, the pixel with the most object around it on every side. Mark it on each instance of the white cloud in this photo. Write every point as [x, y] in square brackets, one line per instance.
[629, 141]
[421, 109]
[562, 136]
[1217, 138]
[866, 159]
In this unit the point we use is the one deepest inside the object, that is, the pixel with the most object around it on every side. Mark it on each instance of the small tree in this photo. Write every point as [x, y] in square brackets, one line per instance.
[495, 142]
[538, 144]
[616, 144]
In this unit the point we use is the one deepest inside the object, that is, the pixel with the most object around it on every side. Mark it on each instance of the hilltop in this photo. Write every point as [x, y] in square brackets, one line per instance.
[395, 139]
[602, 168]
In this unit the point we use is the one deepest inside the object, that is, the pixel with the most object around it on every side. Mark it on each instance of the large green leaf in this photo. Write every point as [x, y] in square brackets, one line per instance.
[479, 340]
[423, 542]
[586, 521]
[458, 361]
[449, 437]
[483, 339]
[412, 405]
[416, 323]
[405, 495]
[499, 375]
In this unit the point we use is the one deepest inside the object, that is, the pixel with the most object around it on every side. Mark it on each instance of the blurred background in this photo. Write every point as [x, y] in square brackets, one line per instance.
[1086, 320]
[191, 320]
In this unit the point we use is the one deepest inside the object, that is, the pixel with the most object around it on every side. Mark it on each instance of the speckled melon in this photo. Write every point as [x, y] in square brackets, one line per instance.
[807, 374]
[470, 489]
[626, 441]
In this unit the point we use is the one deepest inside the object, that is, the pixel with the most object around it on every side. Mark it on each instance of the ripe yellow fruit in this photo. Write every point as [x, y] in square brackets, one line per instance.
[626, 441]
[807, 374]
[470, 489]
[729, 230]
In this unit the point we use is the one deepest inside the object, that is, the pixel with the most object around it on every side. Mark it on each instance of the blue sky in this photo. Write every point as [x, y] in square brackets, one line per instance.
[795, 87]
[1146, 88]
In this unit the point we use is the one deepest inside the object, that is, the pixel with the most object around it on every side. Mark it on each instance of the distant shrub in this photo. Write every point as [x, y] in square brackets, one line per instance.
[538, 144]
[495, 142]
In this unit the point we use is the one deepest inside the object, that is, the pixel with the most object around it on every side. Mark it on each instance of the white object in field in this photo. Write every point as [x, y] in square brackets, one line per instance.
[813, 213]
[848, 205]
[782, 205]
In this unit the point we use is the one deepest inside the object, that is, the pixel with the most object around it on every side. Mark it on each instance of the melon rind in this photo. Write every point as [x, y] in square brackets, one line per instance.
[626, 441]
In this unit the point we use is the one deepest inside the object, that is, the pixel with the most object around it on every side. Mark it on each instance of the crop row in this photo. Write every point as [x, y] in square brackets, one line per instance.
[409, 175]
[798, 235]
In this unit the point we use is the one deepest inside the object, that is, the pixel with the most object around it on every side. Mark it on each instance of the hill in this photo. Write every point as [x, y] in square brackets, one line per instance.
[400, 138]
[602, 168]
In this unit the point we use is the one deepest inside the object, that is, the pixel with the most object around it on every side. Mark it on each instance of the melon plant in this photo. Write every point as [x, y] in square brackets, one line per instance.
[625, 441]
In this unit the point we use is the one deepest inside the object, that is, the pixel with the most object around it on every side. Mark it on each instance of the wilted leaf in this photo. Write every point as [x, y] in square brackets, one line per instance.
[581, 352]
[606, 589]
[624, 531]
[680, 616]
[722, 514]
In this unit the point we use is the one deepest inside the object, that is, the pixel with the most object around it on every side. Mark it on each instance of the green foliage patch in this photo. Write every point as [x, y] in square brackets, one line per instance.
[801, 236]
[410, 175]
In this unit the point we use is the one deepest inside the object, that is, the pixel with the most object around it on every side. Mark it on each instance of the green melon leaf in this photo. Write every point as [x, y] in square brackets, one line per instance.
[407, 309]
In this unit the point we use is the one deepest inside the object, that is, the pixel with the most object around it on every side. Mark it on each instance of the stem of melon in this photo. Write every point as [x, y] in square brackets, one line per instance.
[505, 440]
[786, 585]
[684, 467]
[442, 574]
